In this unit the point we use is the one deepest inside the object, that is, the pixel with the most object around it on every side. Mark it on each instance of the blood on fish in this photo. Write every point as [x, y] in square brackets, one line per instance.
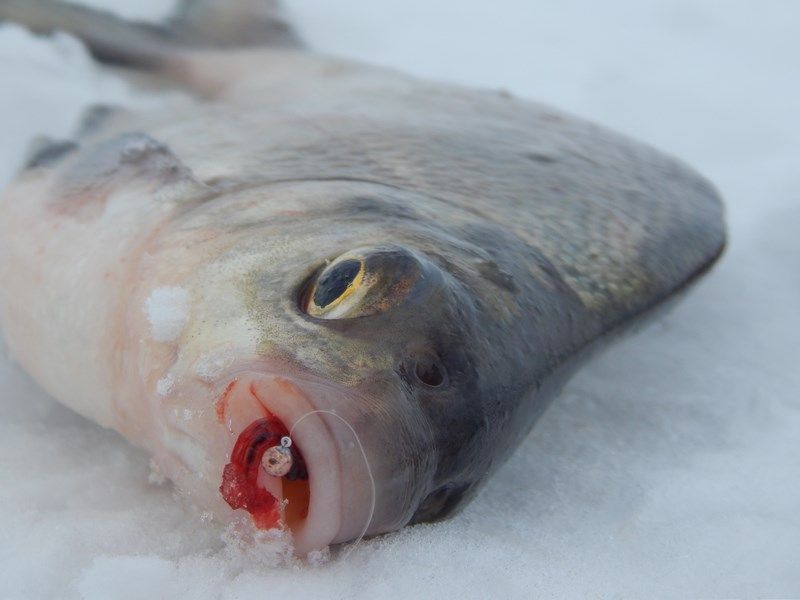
[240, 487]
[221, 404]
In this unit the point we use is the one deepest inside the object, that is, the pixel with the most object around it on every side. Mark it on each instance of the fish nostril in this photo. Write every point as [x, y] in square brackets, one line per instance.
[429, 370]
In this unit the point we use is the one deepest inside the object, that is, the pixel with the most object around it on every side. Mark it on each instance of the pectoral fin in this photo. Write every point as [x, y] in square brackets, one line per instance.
[129, 168]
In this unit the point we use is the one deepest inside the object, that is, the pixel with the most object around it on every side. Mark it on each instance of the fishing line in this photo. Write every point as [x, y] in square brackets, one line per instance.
[366, 462]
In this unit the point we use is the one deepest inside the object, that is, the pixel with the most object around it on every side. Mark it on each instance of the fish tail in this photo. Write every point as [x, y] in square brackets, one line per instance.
[196, 25]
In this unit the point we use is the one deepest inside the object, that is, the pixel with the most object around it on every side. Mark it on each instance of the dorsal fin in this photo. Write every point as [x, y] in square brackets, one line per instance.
[232, 24]
[197, 24]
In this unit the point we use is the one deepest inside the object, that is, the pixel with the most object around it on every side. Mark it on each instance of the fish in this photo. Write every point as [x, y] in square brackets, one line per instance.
[327, 298]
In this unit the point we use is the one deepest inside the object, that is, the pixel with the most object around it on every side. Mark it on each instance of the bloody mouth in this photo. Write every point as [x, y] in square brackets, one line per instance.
[242, 478]
[255, 411]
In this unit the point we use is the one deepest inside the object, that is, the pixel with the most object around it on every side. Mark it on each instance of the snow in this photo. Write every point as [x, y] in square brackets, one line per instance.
[46, 85]
[167, 311]
[165, 385]
[209, 366]
[669, 467]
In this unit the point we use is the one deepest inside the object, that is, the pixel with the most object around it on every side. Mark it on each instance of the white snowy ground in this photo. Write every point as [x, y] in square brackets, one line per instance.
[670, 467]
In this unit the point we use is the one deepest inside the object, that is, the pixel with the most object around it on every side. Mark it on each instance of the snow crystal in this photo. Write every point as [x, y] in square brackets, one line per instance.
[667, 468]
[165, 385]
[211, 365]
[167, 310]
[155, 476]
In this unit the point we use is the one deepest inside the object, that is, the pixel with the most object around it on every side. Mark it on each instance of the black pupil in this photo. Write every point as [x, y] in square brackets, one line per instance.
[334, 281]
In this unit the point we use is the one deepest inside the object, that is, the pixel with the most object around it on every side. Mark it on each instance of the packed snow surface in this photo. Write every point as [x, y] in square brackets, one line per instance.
[669, 467]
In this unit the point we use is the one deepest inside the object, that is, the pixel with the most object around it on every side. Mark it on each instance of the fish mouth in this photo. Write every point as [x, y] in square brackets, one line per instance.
[259, 411]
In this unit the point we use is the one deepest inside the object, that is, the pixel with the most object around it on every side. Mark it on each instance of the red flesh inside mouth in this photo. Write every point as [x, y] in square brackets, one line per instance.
[240, 487]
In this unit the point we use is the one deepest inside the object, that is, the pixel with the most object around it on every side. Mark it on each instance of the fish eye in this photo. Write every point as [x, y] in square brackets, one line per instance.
[338, 290]
[364, 282]
[334, 285]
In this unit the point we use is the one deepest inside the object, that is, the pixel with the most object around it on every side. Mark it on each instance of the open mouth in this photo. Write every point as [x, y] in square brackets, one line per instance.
[291, 484]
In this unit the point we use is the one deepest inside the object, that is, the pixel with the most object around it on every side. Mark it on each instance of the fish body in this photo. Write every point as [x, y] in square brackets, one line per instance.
[396, 274]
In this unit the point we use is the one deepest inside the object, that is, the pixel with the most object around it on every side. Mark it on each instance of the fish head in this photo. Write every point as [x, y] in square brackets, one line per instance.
[338, 313]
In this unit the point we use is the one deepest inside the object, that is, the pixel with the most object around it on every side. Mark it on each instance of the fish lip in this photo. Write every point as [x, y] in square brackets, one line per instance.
[285, 398]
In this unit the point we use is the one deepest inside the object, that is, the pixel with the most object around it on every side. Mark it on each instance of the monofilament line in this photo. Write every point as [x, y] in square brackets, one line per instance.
[366, 463]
